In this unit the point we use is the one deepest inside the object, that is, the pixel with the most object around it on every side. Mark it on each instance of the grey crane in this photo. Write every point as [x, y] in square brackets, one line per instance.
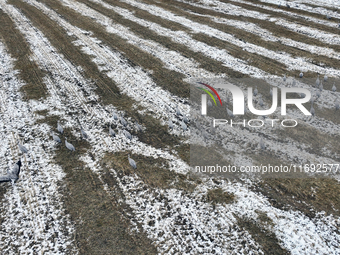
[56, 138]
[60, 128]
[262, 145]
[185, 119]
[22, 148]
[132, 162]
[171, 125]
[69, 146]
[111, 131]
[312, 111]
[115, 116]
[184, 126]
[318, 94]
[301, 75]
[337, 104]
[325, 78]
[123, 121]
[83, 133]
[261, 102]
[178, 112]
[12, 175]
[284, 77]
[294, 83]
[312, 99]
[333, 88]
[127, 134]
[230, 113]
[321, 86]
[288, 6]
[255, 91]
[317, 82]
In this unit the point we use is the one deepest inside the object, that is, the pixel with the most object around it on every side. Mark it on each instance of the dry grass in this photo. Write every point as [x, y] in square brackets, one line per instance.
[266, 64]
[217, 196]
[154, 172]
[314, 139]
[302, 12]
[100, 221]
[167, 79]
[19, 49]
[276, 30]
[308, 195]
[155, 135]
[268, 241]
[143, 32]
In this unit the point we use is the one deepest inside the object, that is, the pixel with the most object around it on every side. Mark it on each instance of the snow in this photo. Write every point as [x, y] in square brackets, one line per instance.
[175, 220]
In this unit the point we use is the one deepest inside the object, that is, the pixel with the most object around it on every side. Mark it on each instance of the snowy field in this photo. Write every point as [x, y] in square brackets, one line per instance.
[121, 71]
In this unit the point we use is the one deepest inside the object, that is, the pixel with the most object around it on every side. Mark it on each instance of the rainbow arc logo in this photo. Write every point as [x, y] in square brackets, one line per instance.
[208, 92]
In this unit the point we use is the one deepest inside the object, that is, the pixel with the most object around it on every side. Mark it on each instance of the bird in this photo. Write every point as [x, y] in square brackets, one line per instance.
[262, 145]
[22, 148]
[261, 102]
[69, 146]
[56, 138]
[337, 104]
[210, 103]
[230, 113]
[185, 119]
[328, 17]
[333, 88]
[325, 78]
[123, 121]
[284, 77]
[184, 126]
[178, 112]
[114, 115]
[312, 111]
[288, 6]
[60, 128]
[321, 86]
[312, 99]
[127, 134]
[83, 133]
[255, 91]
[111, 131]
[170, 124]
[318, 94]
[294, 83]
[132, 162]
[317, 82]
[12, 175]
[301, 75]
